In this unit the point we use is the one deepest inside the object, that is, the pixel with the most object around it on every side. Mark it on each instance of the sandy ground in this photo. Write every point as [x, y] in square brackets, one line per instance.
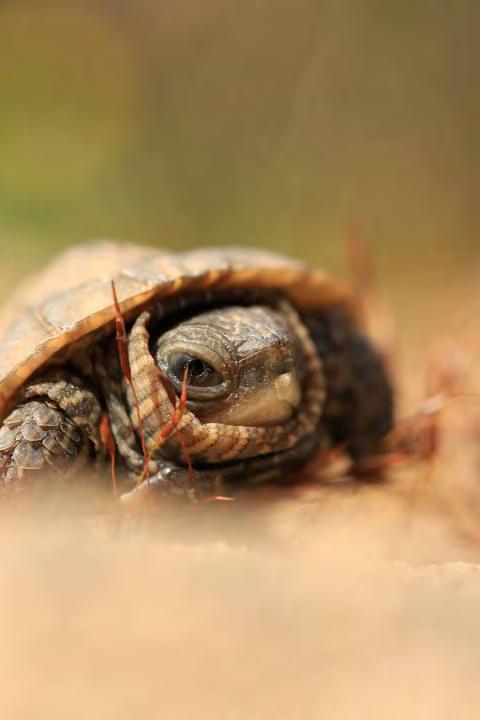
[333, 603]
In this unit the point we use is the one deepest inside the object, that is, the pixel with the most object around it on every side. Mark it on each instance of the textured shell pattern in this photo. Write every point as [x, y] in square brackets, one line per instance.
[72, 297]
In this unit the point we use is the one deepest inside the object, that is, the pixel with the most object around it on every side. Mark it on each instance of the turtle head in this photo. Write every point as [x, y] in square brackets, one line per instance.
[244, 365]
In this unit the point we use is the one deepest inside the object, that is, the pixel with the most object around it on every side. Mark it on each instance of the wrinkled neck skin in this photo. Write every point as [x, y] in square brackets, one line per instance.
[256, 384]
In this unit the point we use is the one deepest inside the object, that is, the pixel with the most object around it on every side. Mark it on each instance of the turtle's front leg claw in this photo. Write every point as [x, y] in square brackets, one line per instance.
[170, 481]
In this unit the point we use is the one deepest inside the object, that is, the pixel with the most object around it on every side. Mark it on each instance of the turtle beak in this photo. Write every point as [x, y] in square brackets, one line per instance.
[270, 404]
[276, 403]
[287, 389]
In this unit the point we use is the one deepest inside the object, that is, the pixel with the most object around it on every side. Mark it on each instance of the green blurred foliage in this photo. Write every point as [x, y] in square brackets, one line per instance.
[274, 122]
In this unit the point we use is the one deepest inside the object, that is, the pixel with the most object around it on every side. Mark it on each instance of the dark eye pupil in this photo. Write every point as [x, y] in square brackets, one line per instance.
[199, 372]
[197, 368]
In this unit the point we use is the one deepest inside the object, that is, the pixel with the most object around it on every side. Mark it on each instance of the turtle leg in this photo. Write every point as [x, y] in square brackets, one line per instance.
[169, 479]
[54, 427]
[359, 407]
[368, 403]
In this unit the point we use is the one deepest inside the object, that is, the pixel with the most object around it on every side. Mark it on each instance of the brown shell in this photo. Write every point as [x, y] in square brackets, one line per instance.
[73, 296]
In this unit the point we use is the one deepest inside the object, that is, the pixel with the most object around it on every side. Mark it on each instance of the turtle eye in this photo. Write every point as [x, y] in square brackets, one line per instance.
[200, 373]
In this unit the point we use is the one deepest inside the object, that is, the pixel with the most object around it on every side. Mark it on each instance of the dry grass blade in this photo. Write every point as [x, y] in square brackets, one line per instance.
[375, 313]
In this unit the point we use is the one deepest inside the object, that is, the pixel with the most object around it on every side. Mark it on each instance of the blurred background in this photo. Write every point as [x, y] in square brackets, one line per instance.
[282, 123]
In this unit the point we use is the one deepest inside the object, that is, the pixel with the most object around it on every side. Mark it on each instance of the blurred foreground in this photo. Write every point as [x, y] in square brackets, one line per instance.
[337, 604]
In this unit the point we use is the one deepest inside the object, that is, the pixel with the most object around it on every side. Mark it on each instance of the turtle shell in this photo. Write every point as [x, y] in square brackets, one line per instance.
[72, 297]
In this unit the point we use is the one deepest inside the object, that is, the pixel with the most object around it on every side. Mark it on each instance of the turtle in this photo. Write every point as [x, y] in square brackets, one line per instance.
[268, 354]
